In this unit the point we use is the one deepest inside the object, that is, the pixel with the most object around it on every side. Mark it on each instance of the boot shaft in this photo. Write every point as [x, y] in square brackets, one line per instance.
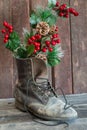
[24, 68]
[31, 68]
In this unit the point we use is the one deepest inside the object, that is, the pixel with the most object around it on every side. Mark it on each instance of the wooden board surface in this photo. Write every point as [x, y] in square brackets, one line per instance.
[80, 124]
[13, 119]
[62, 76]
[71, 74]
[6, 60]
[79, 46]
[7, 106]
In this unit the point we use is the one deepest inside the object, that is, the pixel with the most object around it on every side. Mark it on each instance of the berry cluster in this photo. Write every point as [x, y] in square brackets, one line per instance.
[7, 31]
[52, 42]
[63, 10]
[35, 40]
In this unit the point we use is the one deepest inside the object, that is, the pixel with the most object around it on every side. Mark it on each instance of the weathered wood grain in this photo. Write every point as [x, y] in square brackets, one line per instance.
[79, 46]
[8, 112]
[62, 76]
[79, 124]
[6, 60]
[20, 20]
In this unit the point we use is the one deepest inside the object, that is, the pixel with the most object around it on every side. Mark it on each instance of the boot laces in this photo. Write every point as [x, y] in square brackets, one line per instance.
[45, 85]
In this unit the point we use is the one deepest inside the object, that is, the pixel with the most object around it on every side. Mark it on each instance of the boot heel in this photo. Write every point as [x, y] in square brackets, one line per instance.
[20, 106]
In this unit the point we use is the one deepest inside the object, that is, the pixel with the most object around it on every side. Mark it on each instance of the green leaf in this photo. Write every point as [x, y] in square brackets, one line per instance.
[53, 61]
[55, 56]
[34, 19]
[51, 20]
[13, 42]
[45, 14]
[30, 50]
[21, 52]
[51, 3]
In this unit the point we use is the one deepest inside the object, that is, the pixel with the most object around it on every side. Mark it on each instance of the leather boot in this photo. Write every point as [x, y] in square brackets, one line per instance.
[35, 93]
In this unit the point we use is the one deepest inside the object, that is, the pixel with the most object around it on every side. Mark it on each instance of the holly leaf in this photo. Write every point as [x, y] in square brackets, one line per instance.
[30, 50]
[51, 3]
[34, 19]
[13, 42]
[21, 52]
[51, 20]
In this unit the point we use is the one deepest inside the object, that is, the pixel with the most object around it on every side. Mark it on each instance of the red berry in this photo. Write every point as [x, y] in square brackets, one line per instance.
[44, 49]
[58, 41]
[36, 44]
[47, 43]
[6, 36]
[62, 7]
[54, 35]
[56, 29]
[38, 36]
[29, 41]
[10, 30]
[5, 23]
[10, 27]
[53, 43]
[57, 4]
[5, 40]
[50, 49]
[66, 15]
[33, 38]
[76, 14]
[3, 30]
[35, 51]
[61, 14]
[71, 10]
[37, 48]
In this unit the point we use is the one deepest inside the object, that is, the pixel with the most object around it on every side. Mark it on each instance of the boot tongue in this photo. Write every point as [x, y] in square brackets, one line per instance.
[42, 79]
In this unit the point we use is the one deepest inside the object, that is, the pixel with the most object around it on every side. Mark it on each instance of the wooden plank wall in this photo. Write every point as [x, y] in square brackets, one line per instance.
[79, 47]
[71, 74]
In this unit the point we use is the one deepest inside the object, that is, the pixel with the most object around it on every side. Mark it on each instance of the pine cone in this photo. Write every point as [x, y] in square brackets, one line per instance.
[42, 28]
[42, 56]
[52, 29]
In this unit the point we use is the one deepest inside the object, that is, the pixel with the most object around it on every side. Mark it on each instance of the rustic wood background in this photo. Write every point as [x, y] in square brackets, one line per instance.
[71, 74]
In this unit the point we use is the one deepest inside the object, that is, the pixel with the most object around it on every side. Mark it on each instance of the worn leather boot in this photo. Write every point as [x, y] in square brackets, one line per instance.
[35, 93]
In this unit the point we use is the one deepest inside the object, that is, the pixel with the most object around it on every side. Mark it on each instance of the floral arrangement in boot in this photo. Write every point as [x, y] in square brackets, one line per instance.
[43, 39]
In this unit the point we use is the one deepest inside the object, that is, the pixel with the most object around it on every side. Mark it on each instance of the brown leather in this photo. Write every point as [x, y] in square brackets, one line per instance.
[34, 92]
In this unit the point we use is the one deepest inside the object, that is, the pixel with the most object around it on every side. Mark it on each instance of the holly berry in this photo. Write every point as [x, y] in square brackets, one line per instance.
[53, 43]
[37, 48]
[33, 38]
[10, 27]
[50, 49]
[3, 31]
[54, 35]
[29, 41]
[76, 14]
[38, 36]
[47, 43]
[66, 15]
[5, 24]
[58, 41]
[6, 36]
[35, 51]
[5, 40]
[62, 7]
[44, 49]
[56, 28]
[57, 4]
[61, 14]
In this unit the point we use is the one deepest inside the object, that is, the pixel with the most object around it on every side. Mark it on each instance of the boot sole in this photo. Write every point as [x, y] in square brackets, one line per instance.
[21, 107]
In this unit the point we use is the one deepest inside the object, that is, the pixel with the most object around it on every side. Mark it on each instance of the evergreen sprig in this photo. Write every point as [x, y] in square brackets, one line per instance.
[43, 36]
[55, 56]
